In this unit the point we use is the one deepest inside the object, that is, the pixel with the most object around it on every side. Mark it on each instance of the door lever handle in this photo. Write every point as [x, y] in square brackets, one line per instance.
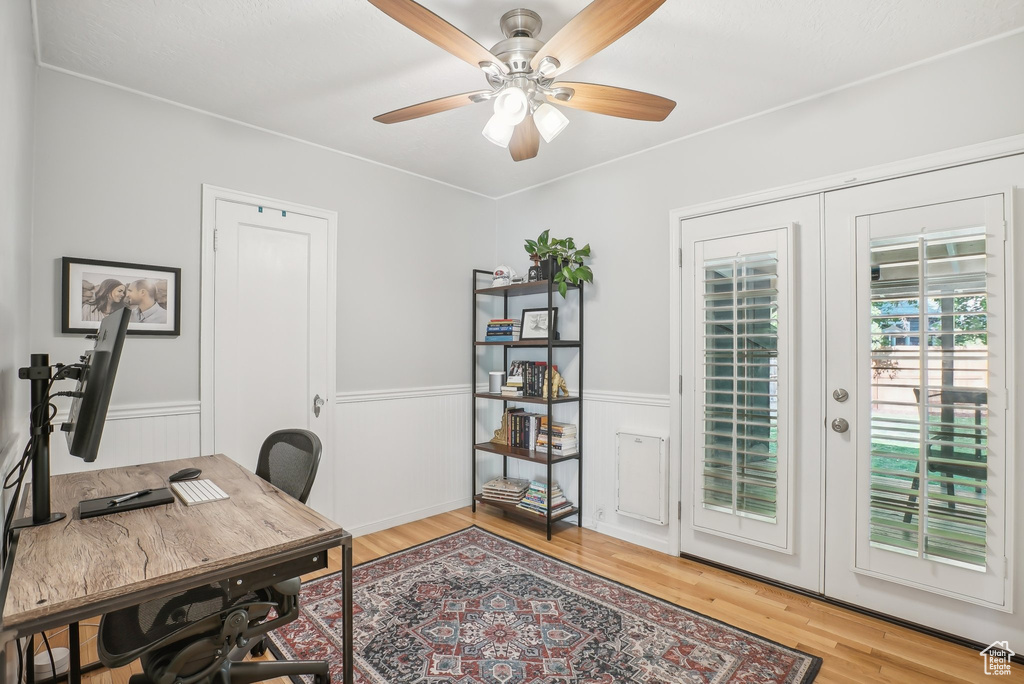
[317, 403]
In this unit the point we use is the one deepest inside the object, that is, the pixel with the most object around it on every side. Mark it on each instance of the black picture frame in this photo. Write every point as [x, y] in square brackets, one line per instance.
[528, 330]
[80, 278]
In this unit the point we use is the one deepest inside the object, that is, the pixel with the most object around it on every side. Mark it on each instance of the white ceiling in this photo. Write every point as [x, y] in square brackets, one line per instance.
[320, 70]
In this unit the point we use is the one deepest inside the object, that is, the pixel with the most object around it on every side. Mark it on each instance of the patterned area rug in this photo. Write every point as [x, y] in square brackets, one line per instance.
[475, 608]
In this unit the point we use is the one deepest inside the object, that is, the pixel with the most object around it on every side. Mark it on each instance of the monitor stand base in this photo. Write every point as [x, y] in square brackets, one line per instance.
[28, 522]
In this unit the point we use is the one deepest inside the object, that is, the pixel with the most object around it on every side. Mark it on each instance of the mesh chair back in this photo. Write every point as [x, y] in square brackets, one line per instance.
[129, 632]
[289, 460]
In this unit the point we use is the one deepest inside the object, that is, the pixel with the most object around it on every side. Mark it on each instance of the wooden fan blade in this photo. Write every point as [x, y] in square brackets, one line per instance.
[441, 104]
[438, 31]
[600, 24]
[628, 104]
[525, 140]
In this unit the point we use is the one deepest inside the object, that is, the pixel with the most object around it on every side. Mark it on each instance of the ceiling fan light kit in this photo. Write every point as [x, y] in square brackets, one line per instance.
[550, 122]
[521, 70]
[498, 132]
[511, 105]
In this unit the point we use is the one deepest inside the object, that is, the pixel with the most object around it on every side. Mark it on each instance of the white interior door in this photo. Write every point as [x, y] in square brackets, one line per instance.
[271, 343]
[751, 366]
[920, 487]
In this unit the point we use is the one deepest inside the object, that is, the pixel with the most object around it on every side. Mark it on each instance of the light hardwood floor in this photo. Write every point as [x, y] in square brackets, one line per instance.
[855, 648]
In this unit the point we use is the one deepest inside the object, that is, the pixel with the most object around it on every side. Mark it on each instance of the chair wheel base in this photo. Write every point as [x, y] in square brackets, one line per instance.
[259, 649]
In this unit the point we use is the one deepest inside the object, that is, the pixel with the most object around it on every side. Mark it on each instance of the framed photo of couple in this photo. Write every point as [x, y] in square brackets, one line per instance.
[91, 290]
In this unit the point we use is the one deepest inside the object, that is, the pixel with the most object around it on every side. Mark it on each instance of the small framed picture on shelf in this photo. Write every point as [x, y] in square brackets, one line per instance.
[536, 326]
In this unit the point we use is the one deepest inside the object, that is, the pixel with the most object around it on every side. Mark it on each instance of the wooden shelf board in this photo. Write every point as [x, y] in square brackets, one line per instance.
[526, 400]
[536, 287]
[538, 456]
[513, 509]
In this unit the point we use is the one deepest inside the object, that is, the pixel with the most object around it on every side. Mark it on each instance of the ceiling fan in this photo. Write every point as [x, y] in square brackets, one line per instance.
[521, 71]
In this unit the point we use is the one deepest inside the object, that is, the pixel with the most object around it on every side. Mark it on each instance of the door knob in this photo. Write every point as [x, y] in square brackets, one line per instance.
[317, 403]
[840, 425]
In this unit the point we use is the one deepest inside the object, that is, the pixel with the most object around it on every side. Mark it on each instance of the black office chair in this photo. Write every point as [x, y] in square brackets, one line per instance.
[203, 635]
[288, 460]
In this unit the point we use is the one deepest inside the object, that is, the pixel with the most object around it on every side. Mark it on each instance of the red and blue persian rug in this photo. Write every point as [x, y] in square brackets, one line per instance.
[475, 608]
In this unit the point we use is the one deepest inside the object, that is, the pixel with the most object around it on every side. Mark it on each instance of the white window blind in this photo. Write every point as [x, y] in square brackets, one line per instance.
[741, 476]
[741, 342]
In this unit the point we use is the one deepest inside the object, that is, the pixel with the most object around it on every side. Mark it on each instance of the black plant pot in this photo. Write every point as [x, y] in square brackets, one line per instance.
[545, 268]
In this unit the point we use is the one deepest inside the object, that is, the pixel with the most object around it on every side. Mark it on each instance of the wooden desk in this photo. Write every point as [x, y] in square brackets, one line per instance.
[74, 569]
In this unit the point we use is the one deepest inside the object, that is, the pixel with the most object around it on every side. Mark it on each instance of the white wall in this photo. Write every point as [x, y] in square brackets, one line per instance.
[17, 94]
[119, 175]
[622, 208]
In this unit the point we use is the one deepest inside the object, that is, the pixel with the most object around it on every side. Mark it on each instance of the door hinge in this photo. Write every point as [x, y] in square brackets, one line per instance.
[680, 384]
[214, 239]
[679, 510]
[680, 257]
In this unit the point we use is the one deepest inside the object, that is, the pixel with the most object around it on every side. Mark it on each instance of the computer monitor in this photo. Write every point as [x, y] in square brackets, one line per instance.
[95, 384]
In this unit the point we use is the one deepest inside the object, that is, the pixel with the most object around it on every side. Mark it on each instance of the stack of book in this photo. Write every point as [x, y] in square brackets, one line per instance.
[528, 376]
[506, 490]
[522, 428]
[563, 438]
[502, 330]
[514, 384]
[536, 500]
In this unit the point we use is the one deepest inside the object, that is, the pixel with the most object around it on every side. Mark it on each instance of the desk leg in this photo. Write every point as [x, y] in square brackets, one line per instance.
[347, 648]
[30, 661]
[74, 654]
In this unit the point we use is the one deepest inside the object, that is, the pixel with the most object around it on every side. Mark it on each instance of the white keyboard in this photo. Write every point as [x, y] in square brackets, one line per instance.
[194, 492]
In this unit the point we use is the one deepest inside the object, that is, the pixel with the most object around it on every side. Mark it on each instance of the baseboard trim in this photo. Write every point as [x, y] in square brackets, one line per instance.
[398, 394]
[631, 536]
[411, 516]
[892, 619]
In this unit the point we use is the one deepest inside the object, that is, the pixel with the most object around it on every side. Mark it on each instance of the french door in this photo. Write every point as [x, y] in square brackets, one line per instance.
[919, 472]
[848, 374]
[751, 366]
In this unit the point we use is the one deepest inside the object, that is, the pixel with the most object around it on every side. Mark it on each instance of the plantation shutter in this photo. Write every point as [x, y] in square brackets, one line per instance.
[933, 466]
[742, 311]
[930, 414]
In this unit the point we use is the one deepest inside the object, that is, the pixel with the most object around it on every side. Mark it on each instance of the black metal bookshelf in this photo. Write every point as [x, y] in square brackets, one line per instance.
[538, 456]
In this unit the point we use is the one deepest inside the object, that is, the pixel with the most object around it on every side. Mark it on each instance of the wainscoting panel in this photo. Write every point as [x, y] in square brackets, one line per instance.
[604, 414]
[402, 455]
[133, 435]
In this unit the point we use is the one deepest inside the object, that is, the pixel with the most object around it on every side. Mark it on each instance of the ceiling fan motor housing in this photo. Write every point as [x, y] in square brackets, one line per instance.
[520, 28]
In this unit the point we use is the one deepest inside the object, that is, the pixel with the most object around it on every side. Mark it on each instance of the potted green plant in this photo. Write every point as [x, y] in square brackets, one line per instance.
[568, 258]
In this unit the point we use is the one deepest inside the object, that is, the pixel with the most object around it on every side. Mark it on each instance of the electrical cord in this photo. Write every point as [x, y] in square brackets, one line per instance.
[49, 652]
[39, 416]
[80, 624]
[36, 421]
